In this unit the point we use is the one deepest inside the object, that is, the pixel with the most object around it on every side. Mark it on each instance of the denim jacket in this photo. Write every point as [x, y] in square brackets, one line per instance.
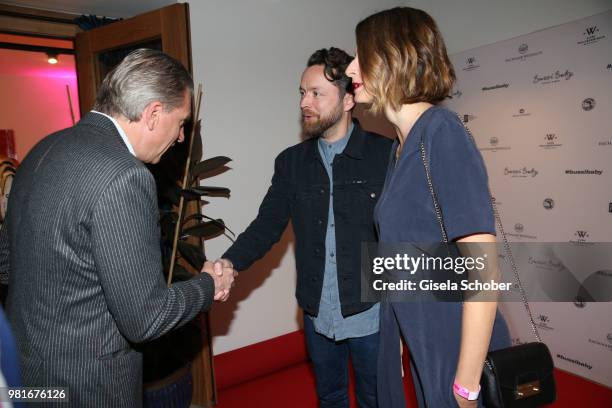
[300, 193]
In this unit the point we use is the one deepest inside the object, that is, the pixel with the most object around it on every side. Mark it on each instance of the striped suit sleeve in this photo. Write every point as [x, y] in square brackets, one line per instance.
[126, 248]
[4, 255]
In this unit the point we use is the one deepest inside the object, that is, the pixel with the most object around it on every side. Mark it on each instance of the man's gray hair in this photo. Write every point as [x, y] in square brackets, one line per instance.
[144, 76]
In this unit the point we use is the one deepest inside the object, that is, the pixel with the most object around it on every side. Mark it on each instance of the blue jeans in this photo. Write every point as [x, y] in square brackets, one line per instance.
[330, 361]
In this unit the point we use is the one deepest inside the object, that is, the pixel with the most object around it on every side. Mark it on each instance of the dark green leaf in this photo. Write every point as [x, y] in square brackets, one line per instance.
[205, 230]
[209, 165]
[192, 254]
[212, 191]
[196, 216]
[195, 193]
[191, 194]
[201, 217]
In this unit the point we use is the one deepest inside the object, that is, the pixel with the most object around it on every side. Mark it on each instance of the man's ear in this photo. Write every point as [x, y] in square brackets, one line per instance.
[151, 114]
[348, 102]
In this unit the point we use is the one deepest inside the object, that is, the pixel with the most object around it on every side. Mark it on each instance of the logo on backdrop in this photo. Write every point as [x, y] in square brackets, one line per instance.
[587, 172]
[543, 322]
[517, 341]
[581, 234]
[574, 361]
[457, 94]
[579, 302]
[551, 141]
[519, 229]
[607, 345]
[494, 145]
[471, 64]
[609, 67]
[546, 263]
[605, 143]
[498, 203]
[548, 203]
[494, 87]
[610, 207]
[588, 104]
[521, 112]
[581, 238]
[523, 54]
[468, 118]
[606, 272]
[520, 173]
[551, 78]
[591, 35]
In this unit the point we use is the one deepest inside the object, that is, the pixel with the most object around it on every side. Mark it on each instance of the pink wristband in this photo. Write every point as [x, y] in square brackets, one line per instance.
[465, 393]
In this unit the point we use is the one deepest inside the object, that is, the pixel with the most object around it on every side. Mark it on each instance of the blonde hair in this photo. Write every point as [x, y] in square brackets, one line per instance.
[403, 59]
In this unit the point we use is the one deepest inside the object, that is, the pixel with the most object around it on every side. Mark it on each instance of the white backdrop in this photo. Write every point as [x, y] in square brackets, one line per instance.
[249, 56]
[540, 109]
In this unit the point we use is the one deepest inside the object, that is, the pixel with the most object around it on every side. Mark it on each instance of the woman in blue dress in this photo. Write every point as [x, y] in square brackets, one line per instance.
[402, 69]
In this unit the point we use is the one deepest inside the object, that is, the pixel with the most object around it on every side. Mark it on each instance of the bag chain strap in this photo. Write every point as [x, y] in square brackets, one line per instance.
[499, 226]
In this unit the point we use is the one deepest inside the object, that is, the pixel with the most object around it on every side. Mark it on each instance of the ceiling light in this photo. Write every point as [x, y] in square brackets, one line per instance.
[52, 58]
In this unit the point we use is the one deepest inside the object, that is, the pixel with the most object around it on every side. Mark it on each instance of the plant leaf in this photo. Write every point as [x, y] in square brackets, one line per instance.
[195, 193]
[191, 194]
[208, 165]
[212, 191]
[195, 216]
[201, 217]
[205, 230]
[192, 254]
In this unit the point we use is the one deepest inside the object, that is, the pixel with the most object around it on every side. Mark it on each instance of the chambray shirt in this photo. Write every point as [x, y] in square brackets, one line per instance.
[330, 321]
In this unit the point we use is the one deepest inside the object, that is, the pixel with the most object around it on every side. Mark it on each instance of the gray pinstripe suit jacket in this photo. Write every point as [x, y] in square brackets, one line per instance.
[81, 250]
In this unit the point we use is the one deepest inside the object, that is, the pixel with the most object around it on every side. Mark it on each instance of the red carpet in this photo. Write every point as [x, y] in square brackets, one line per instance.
[276, 373]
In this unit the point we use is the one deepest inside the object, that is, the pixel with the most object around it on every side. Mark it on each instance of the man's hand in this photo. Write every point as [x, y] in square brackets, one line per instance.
[221, 265]
[223, 275]
[224, 267]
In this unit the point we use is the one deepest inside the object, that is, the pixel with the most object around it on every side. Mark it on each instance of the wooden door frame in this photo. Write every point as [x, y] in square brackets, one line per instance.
[103, 39]
[42, 23]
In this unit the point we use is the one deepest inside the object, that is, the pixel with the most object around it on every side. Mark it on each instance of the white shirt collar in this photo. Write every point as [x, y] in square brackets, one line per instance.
[120, 130]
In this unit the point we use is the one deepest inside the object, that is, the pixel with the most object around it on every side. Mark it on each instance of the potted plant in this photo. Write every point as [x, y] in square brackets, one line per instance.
[167, 361]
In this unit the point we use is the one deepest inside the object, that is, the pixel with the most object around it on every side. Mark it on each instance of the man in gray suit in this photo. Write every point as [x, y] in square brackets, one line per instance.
[81, 242]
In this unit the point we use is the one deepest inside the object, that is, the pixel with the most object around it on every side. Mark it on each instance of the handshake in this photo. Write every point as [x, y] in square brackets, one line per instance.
[223, 273]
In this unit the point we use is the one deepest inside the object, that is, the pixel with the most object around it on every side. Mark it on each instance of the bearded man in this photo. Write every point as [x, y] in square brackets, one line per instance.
[328, 186]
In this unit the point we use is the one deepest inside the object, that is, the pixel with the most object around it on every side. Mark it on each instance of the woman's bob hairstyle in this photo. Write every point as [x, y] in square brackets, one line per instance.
[402, 58]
